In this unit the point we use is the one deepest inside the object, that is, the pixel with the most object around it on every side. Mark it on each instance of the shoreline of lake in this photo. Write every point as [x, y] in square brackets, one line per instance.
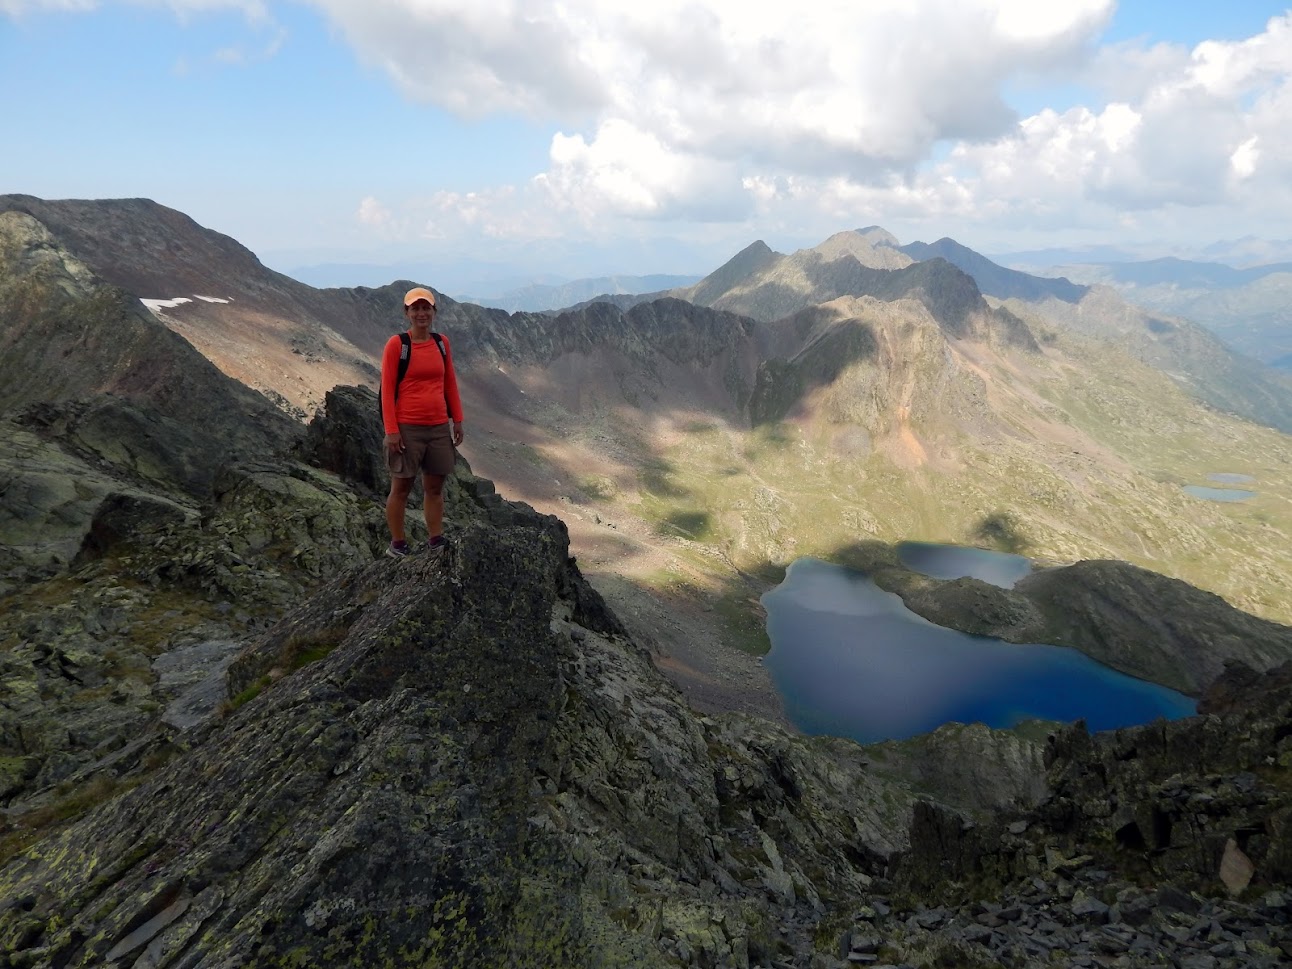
[849, 659]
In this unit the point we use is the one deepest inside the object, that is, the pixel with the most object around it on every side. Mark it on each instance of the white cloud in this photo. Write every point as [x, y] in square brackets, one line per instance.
[1243, 160]
[633, 173]
[838, 113]
[1207, 130]
[822, 112]
[673, 104]
[372, 213]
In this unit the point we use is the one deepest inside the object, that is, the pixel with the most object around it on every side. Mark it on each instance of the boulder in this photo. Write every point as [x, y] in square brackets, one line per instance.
[345, 437]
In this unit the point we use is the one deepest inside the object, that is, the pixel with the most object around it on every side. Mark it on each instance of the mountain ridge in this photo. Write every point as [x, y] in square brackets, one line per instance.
[606, 425]
[540, 297]
[233, 731]
[992, 279]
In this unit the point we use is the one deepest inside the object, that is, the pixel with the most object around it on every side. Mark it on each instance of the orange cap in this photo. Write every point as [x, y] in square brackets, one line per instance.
[413, 295]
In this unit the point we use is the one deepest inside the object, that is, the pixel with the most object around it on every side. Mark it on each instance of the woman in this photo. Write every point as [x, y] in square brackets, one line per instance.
[422, 415]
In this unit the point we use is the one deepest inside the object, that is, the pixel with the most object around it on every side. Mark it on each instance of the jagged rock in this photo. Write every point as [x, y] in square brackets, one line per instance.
[291, 513]
[1165, 798]
[452, 773]
[125, 517]
[51, 499]
[345, 437]
[970, 765]
[1236, 869]
[83, 673]
[1242, 688]
[195, 676]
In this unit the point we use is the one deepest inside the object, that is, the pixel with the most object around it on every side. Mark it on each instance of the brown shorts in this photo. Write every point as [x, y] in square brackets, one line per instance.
[428, 449]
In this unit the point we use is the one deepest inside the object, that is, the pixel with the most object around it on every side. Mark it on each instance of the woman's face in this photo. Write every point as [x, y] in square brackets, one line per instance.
[420, 313]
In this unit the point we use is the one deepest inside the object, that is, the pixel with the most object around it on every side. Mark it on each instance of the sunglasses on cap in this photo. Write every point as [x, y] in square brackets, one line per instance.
[421, 304]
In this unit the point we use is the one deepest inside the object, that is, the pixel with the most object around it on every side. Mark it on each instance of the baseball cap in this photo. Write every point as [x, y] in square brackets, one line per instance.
[413, 295]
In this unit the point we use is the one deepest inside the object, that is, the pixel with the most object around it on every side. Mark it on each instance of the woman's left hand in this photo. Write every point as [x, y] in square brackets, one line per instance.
[458, 434]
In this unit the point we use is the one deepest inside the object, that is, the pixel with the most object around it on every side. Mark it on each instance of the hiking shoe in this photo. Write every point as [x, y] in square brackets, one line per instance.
[435, 546]
[398, 550]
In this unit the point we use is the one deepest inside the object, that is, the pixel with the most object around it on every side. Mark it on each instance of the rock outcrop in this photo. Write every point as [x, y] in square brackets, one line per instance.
[1142, 623]
[462, 762]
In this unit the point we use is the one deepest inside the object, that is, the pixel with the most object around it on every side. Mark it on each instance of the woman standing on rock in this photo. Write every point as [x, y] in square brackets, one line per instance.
[422, 415]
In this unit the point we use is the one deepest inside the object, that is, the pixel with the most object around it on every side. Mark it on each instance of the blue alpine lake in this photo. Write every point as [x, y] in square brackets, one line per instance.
[850, 660]
[1218, 494]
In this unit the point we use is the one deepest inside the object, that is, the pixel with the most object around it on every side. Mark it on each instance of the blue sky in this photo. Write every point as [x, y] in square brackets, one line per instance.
[593, 137]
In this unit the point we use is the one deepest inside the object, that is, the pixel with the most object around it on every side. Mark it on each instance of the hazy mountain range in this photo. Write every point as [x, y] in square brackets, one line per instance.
[538, 296]
[1248, 308]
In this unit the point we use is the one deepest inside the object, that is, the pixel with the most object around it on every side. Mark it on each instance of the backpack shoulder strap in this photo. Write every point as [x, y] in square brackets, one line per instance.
[405, 356]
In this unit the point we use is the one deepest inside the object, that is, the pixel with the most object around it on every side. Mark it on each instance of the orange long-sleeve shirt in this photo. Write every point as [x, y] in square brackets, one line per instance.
[424, 389]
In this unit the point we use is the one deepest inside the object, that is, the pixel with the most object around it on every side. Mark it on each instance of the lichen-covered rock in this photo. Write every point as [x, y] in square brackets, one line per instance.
[420, 768]
[1160, 802]
[50, 500]
[346, 438]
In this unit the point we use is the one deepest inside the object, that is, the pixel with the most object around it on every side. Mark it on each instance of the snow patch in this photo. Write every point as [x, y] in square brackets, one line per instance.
[165, 304]
[212, 299]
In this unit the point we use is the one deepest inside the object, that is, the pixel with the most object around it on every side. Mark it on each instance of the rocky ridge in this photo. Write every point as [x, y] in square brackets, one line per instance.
[507, 773]
[1195, 359]
[451, 773]
[474, 779]
[995, 280]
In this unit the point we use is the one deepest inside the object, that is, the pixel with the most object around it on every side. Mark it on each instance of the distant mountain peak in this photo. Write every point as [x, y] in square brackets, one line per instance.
[877, 235]
[871, 250]
[752, 259]
[993, 279]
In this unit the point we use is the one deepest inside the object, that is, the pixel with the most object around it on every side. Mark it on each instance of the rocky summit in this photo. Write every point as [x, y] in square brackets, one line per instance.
[466, 761]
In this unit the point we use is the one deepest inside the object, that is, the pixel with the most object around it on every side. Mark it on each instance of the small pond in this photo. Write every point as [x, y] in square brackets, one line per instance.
[850, 660]
[958, 561]
[1218, 494]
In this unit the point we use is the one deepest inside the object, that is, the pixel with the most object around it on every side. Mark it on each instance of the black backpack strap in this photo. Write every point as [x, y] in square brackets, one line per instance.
[405, 357]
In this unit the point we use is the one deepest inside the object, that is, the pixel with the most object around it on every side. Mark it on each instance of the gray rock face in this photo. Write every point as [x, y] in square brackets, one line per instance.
[93, 369]
[345, 438]
[1165, 799]
[460, 776]
[196, 675]
[51, 502]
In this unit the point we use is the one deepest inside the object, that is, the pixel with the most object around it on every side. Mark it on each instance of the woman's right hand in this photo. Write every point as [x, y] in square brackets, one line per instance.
[394, 442]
